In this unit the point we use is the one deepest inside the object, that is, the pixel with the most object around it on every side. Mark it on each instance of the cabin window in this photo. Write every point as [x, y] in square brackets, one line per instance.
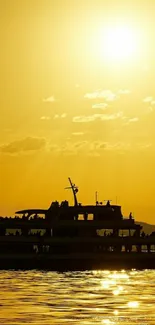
[90, 216]
[152, 248]
[144, 248]
[80, 217]
[104, 232]
[14, 232]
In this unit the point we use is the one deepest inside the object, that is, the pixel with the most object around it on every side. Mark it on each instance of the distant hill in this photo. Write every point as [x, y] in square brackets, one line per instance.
[147, 228]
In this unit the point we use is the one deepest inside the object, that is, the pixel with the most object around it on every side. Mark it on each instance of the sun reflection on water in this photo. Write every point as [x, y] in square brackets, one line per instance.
[86, 298]
[119, 276]
[116, 312]
[133, 304]
[107, 283]
[107, 322]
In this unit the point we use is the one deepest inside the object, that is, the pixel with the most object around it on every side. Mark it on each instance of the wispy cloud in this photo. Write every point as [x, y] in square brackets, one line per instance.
[78, 133]
[57, 116]
[63, 115]
[108, 95]
[127, 120]
[91, 118]
[23, 145]
[118, 146]
[50, 99]
[45, 118]
[96, 148]
[148, 99]
[151, 102]
[133, 119]
[69, 148]
[99, 146]
[100, 106]
[144, 145]
[79, 144]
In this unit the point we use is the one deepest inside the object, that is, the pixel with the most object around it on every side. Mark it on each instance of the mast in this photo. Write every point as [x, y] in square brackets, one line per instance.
[96, 198]
[74, 189]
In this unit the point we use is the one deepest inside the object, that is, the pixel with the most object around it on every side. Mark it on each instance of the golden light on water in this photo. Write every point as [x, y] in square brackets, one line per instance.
[133, 304]
[107, 322]
[75, 297]
[116, 312]
[119, 276]
[116, 292]
[107, 283]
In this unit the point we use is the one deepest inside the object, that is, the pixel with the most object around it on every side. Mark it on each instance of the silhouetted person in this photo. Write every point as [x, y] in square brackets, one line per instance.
[130, 215]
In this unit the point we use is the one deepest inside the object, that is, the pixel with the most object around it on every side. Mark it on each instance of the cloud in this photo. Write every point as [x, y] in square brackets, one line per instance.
[148, 99]
[50, 99]
[73, 146]
[77, 133]
[96, 148]
[56, 116]
[100, 106]
[151, 102]
[134, 119]
[84, 119]
[79, 144]
[96, 145]
[69, 148]
[108, 95]
[63, 115]
[118, 146]
[129, 120]
[91, 118]
[99, 146]
[144, 145]
[45, 118]
[23, 145]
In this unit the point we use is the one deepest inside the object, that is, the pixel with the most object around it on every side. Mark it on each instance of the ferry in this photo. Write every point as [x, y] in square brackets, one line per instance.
[76, 237]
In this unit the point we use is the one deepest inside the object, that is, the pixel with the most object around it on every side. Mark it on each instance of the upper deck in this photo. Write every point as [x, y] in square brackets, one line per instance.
[66, 212]
[63, 212]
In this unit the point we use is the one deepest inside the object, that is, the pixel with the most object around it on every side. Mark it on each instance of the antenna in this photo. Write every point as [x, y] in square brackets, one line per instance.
[96, 198]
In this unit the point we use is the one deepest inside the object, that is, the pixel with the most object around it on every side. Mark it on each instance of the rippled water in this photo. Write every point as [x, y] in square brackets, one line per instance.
[95, 297]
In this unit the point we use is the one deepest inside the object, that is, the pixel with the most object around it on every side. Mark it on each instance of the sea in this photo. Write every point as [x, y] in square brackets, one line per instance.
[85, 298]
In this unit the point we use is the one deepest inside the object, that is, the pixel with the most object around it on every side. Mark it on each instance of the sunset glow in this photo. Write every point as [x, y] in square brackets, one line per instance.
[77, 100]
[119, 43]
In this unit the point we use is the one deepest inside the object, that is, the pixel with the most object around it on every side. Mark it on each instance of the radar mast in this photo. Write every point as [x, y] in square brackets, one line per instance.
[74, 189]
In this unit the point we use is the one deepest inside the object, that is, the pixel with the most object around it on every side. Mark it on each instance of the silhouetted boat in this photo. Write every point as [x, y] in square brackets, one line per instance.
[77, 237]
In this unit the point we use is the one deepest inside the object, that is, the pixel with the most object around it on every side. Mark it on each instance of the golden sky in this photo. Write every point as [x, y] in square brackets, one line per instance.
[77, 82]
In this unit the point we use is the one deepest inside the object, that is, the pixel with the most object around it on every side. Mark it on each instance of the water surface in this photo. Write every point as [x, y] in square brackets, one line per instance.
[85, 298]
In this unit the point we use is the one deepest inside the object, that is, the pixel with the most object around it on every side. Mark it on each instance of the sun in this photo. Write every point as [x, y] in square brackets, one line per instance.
[117, 43]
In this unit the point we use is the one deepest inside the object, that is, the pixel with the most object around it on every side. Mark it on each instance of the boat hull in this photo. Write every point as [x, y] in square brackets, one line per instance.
[78, 263]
